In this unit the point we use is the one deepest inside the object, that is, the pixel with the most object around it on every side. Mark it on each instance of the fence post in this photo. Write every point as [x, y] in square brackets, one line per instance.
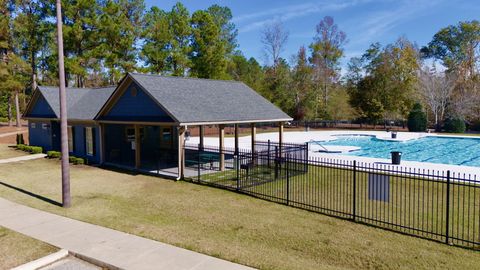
[198, 162]
[268, 155]
[237, 167]
[354, 206]
[447, 225]
[288, 178]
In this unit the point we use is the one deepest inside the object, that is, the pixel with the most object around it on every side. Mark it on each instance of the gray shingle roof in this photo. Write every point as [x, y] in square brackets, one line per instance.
[82, 103]
[191, 100]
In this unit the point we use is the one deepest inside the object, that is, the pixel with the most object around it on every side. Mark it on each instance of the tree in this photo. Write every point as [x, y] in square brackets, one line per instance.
[274, 38]
[31, 31]
[208, 49]
[302, 86]
[327, 50]
[158, 37]
[223, 19]
[458, 47]
[66, 199]
[436, 90]
[14, 74]
[277, 86]
[248, 71]
[120, 26]
[181, 31]
[82, 39]
[382, 83]
[417, 119]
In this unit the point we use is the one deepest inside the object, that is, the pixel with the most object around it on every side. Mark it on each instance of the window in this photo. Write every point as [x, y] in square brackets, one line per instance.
[130, 133]
[89, 141]
[45, 126]
[32, 125]
[70, 139]
[133, 92]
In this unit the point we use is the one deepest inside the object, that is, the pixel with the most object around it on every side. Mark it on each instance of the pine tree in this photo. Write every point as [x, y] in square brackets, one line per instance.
[179, 61]
[157, 36]
[208, 49]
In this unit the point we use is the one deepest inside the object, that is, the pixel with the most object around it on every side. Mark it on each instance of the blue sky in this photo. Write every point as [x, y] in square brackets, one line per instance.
[364, 21]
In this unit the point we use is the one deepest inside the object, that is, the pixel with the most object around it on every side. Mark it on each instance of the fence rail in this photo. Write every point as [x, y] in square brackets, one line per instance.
[437, 205]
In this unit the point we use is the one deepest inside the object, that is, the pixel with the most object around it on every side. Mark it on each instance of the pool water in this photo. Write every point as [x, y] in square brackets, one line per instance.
[445, 150]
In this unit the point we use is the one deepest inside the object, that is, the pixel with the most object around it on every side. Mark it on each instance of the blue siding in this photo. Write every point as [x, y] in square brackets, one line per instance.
[136, 107]
[79, 143]
[42, 109]
[40, 134]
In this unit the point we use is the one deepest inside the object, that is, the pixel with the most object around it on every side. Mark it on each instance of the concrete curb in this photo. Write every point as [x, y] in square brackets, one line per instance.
[42, 262]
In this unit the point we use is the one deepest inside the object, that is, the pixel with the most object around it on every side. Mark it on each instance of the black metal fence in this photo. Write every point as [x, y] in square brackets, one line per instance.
[437, 205]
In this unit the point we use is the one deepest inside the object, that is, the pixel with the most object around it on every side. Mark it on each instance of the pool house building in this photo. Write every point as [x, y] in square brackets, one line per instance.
[141, 124]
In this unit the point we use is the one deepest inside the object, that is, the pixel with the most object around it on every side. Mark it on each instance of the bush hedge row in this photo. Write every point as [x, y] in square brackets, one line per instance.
[30, 149]
[71, 159]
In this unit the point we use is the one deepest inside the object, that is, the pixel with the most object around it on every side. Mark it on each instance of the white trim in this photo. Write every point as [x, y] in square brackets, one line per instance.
[42, 262]
[234, 122]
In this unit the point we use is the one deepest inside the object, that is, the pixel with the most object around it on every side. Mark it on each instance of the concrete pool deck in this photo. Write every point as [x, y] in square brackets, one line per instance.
[308, 136]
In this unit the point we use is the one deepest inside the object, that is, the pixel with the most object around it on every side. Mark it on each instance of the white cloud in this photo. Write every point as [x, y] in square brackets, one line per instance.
[257, 20]
[379, 22]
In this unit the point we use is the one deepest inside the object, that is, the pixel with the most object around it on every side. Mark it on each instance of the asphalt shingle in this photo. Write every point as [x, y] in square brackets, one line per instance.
[191, 100]
[82, 103]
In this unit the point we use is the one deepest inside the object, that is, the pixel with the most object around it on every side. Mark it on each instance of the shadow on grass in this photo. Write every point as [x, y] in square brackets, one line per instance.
[40, 197]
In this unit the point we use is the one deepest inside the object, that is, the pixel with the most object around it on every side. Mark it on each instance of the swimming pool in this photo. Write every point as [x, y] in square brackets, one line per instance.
[445, 150]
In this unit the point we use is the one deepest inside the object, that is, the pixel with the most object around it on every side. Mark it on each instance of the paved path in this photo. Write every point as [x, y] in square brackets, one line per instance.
[6, 134]
[116, 248]
[22, 158]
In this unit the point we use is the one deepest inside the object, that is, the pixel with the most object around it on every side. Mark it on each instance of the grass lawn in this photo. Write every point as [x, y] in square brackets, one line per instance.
[6, 151]
[17, 249]
[224, 224]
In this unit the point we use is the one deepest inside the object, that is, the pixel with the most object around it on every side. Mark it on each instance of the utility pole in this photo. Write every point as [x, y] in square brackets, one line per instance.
[66, 200]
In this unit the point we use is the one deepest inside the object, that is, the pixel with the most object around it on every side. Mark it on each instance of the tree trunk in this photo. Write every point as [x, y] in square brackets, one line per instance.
[17, 110]
[66, 199]
[9, 109]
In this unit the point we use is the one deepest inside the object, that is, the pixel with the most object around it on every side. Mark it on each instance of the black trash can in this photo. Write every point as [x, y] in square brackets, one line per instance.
[396, 157]
[394, 135]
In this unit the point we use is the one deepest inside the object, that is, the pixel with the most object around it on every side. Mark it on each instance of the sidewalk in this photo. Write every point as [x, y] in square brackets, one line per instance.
[22, 158]
[115, 248]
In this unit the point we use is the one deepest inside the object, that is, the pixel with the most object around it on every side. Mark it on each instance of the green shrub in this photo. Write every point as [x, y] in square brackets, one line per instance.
[28, 148]
[417, 119]
[72, 159]
[36, 149]
[454, 125]
[21, 147]
[79, 161]
[53, 154]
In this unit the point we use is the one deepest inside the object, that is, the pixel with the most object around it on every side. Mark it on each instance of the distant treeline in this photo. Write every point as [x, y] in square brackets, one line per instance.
[104, 39]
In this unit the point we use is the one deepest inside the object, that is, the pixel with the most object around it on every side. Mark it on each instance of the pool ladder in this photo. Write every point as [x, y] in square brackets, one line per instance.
[319, 144]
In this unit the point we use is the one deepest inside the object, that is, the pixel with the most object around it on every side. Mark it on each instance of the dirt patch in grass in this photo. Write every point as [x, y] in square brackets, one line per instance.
[224, 224]
[17, 249]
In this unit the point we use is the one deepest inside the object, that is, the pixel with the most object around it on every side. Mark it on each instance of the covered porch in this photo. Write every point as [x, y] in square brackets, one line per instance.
[159, 149]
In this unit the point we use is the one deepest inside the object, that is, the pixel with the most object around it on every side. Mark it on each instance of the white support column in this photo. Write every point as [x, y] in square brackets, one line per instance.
[280, 137]
[181, 152]
[253, 135]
